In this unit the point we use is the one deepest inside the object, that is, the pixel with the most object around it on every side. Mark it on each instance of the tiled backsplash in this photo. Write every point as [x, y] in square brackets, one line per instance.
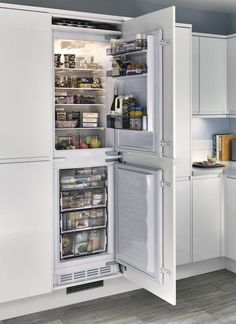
[200, 150]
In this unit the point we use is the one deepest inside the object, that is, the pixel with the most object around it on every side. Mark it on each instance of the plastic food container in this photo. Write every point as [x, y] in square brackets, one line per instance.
[66, 124]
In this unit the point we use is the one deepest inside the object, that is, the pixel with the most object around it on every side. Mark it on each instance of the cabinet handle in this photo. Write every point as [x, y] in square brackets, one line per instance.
[231, 177]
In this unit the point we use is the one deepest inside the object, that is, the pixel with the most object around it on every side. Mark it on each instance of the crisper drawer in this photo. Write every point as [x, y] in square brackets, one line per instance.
[83, 199]
[83, 243]
[83, 219]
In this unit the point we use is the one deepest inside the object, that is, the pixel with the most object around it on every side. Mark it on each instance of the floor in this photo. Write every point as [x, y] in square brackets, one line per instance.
[208, 298]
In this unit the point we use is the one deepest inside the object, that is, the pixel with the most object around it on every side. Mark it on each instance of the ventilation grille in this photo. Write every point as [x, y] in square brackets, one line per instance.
[80, 275]
[105, 270]
[66, 277]
[90, 285]
[92, 272]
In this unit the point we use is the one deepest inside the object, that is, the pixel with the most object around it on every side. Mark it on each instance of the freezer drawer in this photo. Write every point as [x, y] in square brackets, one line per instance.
[83, 243]
[83, 178]
[83, 199]
[83, 219]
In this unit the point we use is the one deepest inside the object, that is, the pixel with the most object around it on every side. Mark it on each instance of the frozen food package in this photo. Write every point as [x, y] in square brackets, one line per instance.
[67, 244]
[94, 238]
[80, 248]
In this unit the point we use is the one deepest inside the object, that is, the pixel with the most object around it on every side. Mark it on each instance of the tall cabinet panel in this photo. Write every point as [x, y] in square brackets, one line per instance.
[195, 74]
[183, 101]
[25, 230]
[183, 221]
[231, 75]
[230, 219]
[206, 217]
[212, 75]
[25, 87]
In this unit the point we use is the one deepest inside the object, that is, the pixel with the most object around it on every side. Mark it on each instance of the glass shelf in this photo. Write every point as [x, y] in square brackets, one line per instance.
[79, 89]
[133, 52]
[130, 76]
[79, 128]
[78, 105]
[77, 70]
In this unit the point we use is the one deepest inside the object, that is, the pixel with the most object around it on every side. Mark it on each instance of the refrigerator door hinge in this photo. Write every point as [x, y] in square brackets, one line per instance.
[122, 268]
[113, 156]
[164, 42]
[165, 271]
[165, 184]
[166, 143]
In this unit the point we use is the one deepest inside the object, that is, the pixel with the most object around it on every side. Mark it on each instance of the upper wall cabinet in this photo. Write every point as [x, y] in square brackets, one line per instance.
[209, 75]
[26, 85]
[231, 75]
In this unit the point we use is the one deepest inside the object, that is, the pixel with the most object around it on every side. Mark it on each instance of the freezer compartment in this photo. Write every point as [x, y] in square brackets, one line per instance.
[83, 243]
[84, 219]
[83, 199]
[73, 179]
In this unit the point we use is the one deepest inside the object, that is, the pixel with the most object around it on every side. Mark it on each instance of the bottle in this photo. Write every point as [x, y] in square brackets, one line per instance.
[145, 120]
[144, 41]
[113, 105]
[138, 42]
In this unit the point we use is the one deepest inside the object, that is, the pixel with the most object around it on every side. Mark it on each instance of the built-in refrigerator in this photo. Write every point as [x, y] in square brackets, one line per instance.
[113, 175]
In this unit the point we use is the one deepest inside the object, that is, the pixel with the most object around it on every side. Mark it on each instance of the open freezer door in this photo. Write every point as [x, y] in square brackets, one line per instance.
[139, 222]
[155, 91]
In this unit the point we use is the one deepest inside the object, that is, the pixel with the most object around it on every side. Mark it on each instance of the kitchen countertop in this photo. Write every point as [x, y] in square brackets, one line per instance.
[230, 168]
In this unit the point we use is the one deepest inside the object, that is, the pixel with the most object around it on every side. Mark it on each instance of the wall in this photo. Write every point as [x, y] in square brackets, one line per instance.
[232, 23]
[203, 21]
[203, 128]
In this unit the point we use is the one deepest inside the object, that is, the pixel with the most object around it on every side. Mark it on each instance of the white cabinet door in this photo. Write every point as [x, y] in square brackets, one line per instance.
[164, 20]
[139, 224]
[212, 75]
[183, 102]
[183, 221]
[26, 84]
[231, 75]
[206, 218]
[195, 74]
[25, 230]
[230, 218]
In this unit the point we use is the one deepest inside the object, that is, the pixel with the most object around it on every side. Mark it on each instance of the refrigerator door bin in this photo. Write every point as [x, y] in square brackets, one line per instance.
[83, 219]
[143, 135]
[83, 243]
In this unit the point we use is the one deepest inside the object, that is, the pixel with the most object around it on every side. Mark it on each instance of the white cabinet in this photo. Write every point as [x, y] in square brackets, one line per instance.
[230, 217]
[206, 217]
[212, 75]
[26, 84]
[183, 221]
[25, 230]
[183, 102]
[209, 80]
[231, 75]
[195, 74]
